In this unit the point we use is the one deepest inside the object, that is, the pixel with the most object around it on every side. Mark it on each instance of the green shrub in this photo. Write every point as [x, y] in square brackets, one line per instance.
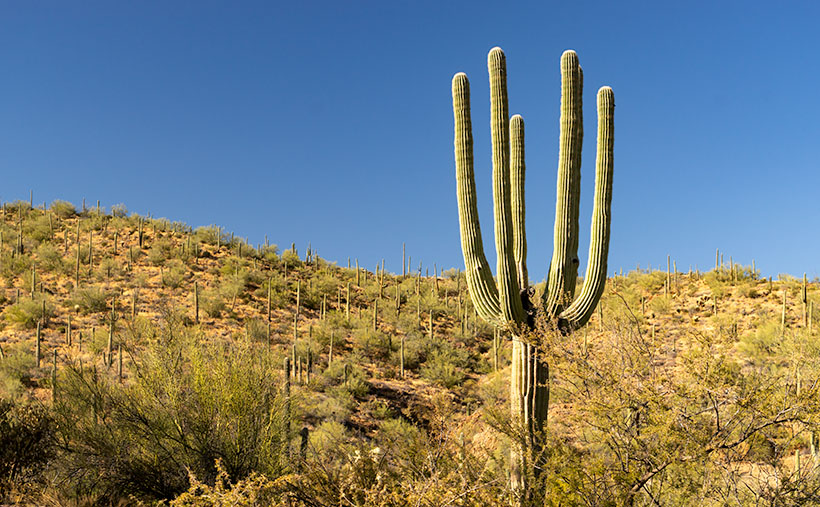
[18, 207]
[160, 252]
[27, 312]
[374, 345]
[192, 403]
[108, 268]
[209, 235]
[26, 443]
[50, 259]
[16, 266]
[37, 228]
[254, 490]
[89, 300]
[233, 285]
[212, 303]
[291, 259]
[445, 367]
[257, 330]
[119, 211]
[16, 369]
[174, 274]
[63, 209]
[763, 342]
[661, 304]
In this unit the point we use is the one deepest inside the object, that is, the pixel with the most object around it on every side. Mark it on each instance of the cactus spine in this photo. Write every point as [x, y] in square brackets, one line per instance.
[506, 304]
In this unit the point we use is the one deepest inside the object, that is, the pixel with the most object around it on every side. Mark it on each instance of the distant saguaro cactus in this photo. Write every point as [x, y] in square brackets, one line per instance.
[507, 304]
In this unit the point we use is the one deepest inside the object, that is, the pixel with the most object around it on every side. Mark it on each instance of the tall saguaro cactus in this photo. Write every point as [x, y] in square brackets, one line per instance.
[505, 301]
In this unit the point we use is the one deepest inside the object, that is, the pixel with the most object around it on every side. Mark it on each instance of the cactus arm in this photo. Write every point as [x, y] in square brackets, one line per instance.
[582, 308]
[563, 268]
[517, 170]
[576, 181]
[477, 270]
[509, 296]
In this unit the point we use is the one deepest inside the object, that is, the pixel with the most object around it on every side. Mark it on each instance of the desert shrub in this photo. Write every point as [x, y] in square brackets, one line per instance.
[174, 274]
[107, 268]
[372, 344]
[26, 443]
[18, 207]
[160, 251]
[37, 229]
[748, 290]
[378, 409]
[404, 441]
[763, 342]
[280, 298]
[83, 257]
[193, 402]
[336, 404]
[661, 304]
[291, 259]
[357, 384]
[270, 253]
[716, 280]
[89, 300]
[257, 330]
[210, 234]
[402, 467]
[119, 211]
[212, 303]
[27, 312]
[16, 370]
[328, 435]
[50, 259]
[13, 267]
[444, 366]
[414, 351]
[652, 282]
[334, 373]
[63, 209]
[233, 285]
[254, 490]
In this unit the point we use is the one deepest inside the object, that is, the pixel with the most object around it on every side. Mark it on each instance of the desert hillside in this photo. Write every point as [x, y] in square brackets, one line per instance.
[144, 361]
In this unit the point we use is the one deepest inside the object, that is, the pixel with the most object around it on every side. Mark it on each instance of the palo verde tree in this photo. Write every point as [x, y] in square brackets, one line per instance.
[509, 303]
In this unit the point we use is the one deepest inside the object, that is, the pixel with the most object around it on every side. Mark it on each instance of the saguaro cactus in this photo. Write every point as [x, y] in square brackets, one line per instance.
[507, 303]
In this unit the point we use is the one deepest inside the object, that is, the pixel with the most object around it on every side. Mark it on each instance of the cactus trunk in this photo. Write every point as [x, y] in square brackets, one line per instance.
[529, 399]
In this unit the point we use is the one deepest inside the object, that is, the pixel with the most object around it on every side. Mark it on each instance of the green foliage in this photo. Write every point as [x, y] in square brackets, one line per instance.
[27, 312]
[160, 252]
[191, 404]
[175, 274]
[712, 407]
[107, 269]
[291, 259]
[63, 209]
[16, 266]
[51, 260]
[26, 444]
[89, 300]
[210, 234]
[16, 370]
[763, 342]
[374, 345]
[249, 492]
[212, 303]
[445, 366]
[119, 211]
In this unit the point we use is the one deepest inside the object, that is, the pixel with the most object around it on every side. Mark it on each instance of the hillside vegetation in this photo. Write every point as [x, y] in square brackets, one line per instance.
[144, 362]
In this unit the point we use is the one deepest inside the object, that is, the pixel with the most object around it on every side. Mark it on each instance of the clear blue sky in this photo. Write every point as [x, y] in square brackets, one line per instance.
[331, 122]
